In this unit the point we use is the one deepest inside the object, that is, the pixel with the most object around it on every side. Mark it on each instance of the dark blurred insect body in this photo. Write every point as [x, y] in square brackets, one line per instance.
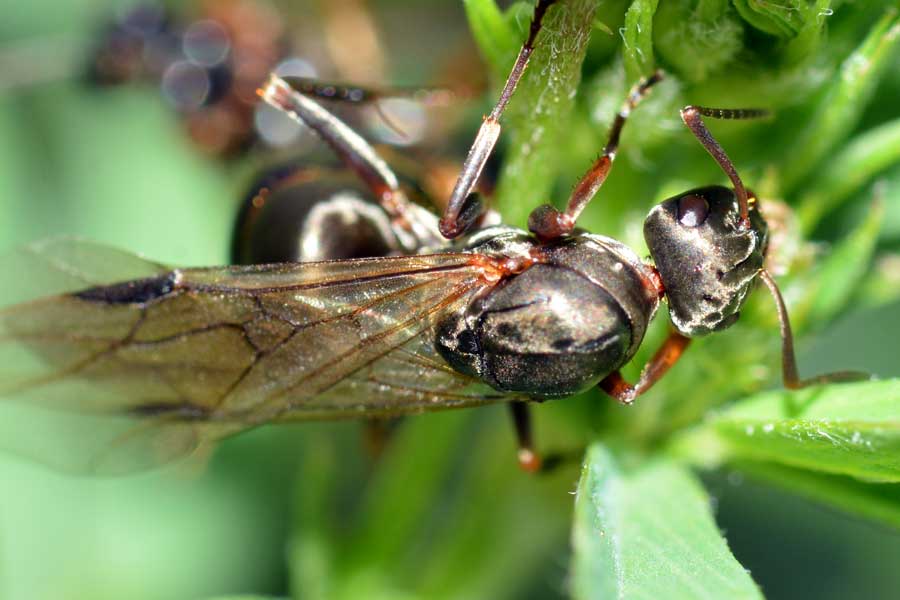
[208, 67]
[209, 62]
[181, 358]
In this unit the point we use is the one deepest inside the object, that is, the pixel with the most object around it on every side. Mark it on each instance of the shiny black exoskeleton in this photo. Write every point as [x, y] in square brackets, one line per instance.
[558, 327]
[308, 213]
[303, 213]
[572, 308]
[561, 325]
[705, 258]
[564, 323]
[580, 313]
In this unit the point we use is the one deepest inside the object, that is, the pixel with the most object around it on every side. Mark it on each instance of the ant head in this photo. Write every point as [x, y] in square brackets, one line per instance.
[706, 257]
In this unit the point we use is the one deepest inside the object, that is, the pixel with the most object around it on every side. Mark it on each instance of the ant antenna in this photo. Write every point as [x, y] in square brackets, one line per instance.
[389, 121]
[693, 117]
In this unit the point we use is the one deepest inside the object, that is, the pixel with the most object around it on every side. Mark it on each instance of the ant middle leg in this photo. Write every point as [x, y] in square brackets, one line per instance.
[529, 459]
[547, 222]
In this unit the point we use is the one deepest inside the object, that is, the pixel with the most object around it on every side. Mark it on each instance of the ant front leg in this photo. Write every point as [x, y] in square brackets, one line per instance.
[789, 372]
[413, 224]
[667, 355]
[546, 221]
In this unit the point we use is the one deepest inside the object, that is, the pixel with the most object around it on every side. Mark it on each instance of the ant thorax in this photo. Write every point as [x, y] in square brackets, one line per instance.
[577, 313]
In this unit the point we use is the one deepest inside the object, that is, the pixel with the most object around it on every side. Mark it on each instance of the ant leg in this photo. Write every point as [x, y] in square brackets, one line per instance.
[529, 460]
[353, 94]
[693, 118]
[667, 355]
[464, 207]
[789, 372]
[358, 155]
[376, 435]
[546, 222]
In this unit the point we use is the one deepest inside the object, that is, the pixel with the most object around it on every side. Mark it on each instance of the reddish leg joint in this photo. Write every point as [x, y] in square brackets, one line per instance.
[667, 355]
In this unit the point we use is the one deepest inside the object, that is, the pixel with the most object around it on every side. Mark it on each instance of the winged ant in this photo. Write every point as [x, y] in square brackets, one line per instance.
[494, 314]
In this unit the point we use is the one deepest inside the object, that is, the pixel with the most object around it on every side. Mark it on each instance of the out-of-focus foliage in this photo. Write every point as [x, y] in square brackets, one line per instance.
[444, 513]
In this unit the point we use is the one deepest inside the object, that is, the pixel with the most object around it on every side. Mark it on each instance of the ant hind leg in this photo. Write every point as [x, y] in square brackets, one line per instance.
[414, 227]
[529, 459]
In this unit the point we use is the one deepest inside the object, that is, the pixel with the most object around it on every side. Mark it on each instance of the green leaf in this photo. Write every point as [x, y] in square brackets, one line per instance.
[857, 162]
[646, 531]
[878, 502]
[786, 19]
[844, 100]
[495, 38]
[312, 561]
[312, 548]
[411, 473]
[835, 280]
[512, 520]
[638, 39]
[881, 285]
[811, 31]
[247, 597]
[848, 429]
[537, 117]
[698, 39]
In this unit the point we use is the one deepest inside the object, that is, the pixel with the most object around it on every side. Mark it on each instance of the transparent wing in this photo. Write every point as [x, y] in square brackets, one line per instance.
[60, 265]
[150, 369]
[411, 378]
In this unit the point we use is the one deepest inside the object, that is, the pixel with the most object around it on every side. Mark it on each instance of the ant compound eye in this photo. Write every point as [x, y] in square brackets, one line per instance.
[692, 210]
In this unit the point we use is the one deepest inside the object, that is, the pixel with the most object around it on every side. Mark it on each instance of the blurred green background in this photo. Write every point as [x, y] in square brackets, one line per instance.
[300, 509]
